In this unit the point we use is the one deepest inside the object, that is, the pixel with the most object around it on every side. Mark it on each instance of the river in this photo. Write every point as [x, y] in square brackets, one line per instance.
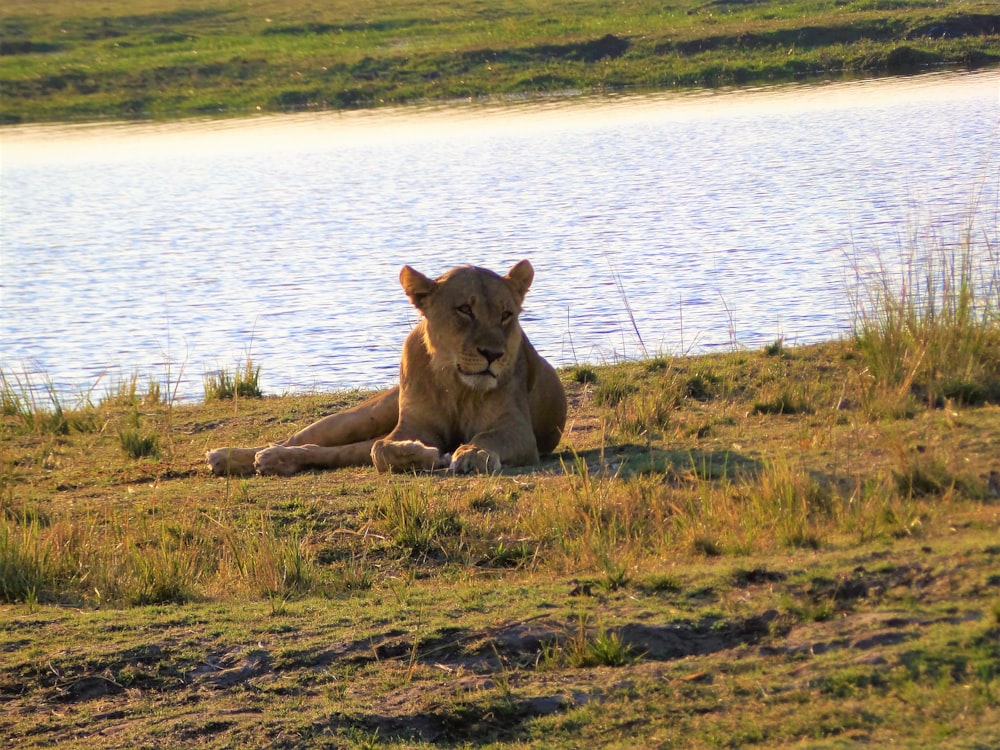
[662, 224]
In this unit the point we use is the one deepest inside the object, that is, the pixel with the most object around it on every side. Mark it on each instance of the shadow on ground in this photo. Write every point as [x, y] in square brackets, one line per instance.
[630, 459]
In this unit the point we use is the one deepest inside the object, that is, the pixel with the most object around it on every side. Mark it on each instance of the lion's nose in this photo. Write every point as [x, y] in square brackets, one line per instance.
[490, 356]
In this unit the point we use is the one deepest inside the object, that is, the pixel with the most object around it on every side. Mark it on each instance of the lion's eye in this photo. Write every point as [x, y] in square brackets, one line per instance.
[465, 310]
[506, 316]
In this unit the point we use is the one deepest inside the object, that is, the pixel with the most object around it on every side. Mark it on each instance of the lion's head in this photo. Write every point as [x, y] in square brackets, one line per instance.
[471, 316]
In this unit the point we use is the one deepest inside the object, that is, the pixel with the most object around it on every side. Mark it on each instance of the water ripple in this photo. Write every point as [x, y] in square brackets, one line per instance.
[185, 247]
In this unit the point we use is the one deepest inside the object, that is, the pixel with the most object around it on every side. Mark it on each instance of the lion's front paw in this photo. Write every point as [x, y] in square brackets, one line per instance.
[406, 455]
[277, 459]
[468, 459]
[231, 461]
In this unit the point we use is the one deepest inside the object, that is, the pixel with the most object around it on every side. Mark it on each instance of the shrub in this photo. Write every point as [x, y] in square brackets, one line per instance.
[241, 384]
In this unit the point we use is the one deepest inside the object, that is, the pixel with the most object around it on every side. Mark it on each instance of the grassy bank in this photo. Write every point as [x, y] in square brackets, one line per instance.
[752, 548]
[75, 60]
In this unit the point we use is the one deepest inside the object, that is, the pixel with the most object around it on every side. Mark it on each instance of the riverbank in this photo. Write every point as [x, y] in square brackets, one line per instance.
[756, 548]
[70, 61]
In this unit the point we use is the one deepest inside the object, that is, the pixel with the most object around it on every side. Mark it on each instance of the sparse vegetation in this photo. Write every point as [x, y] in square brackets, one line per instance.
[245, 383]
[929, 330]
[125, 392]
[776, 348]
[38, 408]
[787, 565]
[136, 442]
[591, 646]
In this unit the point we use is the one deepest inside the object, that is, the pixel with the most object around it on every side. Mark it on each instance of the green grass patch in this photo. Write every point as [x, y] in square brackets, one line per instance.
[784, 567]
[39, 408]
[136, 442]
[223, 384]
[929, 329]
[159, 58]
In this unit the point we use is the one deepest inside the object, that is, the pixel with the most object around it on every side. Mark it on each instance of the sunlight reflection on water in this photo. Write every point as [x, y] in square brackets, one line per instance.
[182, 246]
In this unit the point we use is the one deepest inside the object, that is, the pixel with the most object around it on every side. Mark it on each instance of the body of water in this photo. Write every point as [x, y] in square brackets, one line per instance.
[664, 224]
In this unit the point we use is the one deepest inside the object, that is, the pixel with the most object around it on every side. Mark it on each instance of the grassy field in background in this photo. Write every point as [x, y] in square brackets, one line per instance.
[783, 547]
[100, 59]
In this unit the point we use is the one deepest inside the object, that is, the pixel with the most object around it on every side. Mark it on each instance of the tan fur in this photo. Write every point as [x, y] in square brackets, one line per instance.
[473, 394]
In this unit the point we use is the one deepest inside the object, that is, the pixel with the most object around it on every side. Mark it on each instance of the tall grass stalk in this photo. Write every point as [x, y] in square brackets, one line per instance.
[930, 327]
[125, 392]
[243, 383]
[118, 559]
[24, 565]
[270, 564]
[20, 397]
[135, 441]
[620, 286]
[416, 523]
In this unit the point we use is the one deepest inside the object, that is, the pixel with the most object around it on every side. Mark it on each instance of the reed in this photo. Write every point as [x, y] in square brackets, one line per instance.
[25, 568]
[39, 408]
[125, 392]
[270, 563]
[241, 383]
[928, 327]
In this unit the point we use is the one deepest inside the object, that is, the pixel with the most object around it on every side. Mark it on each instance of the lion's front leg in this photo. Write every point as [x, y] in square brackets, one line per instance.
[369, 420]
[509, 443]
[285, 460]
[280, 460]
[471, 459]
[232, 461]
[407, 455]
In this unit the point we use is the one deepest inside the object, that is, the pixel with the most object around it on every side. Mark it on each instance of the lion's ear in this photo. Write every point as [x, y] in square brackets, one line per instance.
[521, 276]
[417, 286]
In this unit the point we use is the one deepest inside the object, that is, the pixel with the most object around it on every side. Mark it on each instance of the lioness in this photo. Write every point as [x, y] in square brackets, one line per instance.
[473, 394]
